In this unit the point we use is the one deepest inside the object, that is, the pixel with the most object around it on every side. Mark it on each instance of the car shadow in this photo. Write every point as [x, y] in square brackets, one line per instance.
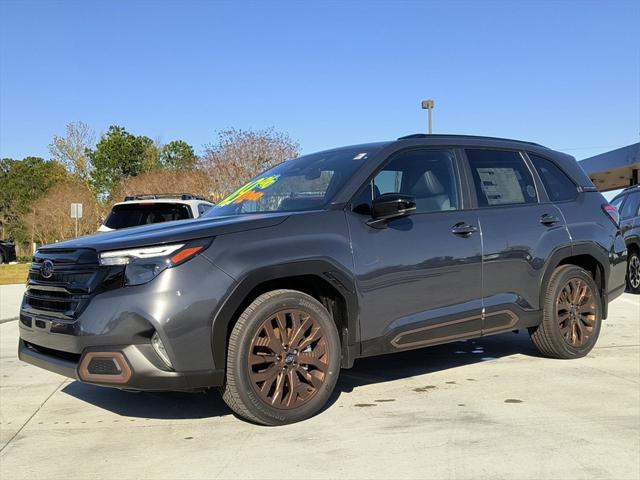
[152, 405]
[438, 358]
[366, 371]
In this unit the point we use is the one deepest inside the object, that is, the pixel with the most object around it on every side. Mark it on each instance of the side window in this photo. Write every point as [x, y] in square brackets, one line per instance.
[202, 208]
[617, 202]
[501, 178]
[427, 175]
[558, 185]
[389, 181]
[630, 207]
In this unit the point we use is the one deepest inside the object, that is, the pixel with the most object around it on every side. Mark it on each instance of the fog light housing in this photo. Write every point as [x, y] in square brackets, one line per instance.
[158, 346]
[104, 367]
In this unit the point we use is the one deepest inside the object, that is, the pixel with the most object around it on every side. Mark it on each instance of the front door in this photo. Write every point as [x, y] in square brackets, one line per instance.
[419, 277]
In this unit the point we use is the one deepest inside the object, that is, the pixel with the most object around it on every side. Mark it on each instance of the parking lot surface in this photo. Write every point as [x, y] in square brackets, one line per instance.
[490, 408]
[10, 299]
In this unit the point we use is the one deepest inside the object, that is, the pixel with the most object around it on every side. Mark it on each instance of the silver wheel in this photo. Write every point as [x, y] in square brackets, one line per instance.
[633, 271]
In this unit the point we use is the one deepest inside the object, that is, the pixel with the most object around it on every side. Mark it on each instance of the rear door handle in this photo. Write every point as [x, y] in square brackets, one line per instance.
[463, 229]
[549, 220]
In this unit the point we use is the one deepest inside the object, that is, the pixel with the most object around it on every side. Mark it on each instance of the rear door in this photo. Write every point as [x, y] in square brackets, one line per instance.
[520, 229]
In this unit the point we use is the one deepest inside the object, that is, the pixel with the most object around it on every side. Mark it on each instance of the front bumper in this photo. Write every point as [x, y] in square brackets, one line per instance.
[144, 374]
[179, 305]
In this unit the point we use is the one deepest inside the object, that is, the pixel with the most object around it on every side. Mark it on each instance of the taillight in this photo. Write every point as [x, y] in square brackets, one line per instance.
[612, 213]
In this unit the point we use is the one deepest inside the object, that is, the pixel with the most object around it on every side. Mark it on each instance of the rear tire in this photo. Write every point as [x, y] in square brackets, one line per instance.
[1, 258]
[283, 359]
[633, 272]
[572, 315]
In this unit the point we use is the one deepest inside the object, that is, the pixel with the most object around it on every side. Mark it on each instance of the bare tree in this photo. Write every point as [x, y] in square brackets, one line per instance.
[195, 181]
[72, 150]
[50, 217]
[239, 155]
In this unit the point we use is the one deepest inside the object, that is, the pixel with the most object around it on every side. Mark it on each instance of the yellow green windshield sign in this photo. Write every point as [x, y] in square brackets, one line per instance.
[250, 192]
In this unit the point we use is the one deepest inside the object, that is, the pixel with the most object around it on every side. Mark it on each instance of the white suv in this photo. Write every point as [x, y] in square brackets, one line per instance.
[139, 210]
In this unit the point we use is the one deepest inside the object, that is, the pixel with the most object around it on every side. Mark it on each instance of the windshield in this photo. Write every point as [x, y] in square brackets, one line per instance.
[306, 183]
[136, 214]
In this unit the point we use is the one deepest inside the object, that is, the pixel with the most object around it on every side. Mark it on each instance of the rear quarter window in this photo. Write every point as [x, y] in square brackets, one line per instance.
[631, 206]
[202, 208]
[136, 214]
[558, 185]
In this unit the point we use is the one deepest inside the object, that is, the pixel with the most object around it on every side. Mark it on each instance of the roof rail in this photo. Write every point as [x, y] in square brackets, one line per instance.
[437, 135]
[155, 196]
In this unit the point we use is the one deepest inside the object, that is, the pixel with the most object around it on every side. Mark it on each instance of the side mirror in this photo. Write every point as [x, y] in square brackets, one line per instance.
[390, 206]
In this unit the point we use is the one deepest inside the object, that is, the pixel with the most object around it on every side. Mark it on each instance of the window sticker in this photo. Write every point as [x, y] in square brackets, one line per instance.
[500, 185]
[249, 192]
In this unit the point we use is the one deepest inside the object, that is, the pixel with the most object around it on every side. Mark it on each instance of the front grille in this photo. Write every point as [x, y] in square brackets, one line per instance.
[66, 291]
[64, 306]
[69, 278]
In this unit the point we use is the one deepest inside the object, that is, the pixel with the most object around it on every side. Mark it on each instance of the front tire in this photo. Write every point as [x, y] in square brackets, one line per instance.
[283, 359]
[572, 315]
[633, 272]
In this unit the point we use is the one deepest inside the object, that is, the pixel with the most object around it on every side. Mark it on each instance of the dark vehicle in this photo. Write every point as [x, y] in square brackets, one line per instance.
[628, 204]
[358, 251]
[7, 251]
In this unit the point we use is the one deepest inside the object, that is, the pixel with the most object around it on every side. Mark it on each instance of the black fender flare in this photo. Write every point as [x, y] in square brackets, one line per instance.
[325, 269]
[634, 240]
[581, 248]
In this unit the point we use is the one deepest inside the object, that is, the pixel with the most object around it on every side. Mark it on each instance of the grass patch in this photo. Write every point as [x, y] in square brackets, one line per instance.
[16, 273]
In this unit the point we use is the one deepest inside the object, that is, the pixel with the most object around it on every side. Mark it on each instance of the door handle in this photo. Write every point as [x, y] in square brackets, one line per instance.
[549, 220]
[463, 229]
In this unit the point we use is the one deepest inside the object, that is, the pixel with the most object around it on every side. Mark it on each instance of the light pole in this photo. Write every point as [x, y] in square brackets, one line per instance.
[428, 105]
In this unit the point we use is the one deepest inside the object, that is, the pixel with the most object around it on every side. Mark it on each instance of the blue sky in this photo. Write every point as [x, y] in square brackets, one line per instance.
[565, 74]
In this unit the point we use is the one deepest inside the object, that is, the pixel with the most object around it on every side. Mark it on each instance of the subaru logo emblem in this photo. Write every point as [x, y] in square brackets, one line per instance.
[47, 269]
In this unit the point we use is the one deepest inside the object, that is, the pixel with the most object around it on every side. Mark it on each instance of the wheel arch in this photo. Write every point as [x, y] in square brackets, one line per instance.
[633, 243]
[322, 279]
[587, 256]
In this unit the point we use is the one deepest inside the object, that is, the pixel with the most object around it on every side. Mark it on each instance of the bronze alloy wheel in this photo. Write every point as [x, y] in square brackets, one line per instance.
[576, 312]
[633, 272]
[288, 359]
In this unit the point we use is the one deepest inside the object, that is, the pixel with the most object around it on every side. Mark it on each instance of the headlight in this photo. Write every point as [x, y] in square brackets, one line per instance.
[144, 264]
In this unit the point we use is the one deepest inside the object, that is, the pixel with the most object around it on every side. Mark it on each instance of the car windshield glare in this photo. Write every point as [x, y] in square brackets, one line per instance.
[305, 183]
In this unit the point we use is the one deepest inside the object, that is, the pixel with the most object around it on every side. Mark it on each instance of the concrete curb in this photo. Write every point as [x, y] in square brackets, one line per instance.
[5, 320]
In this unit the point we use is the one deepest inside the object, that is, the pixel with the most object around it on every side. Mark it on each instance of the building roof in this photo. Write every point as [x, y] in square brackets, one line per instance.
[615, 169]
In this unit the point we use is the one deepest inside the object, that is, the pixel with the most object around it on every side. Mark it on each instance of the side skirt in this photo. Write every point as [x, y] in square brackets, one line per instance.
[500, 319]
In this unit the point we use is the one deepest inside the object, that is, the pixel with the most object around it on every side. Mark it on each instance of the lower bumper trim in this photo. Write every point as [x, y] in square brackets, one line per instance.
[144, 374]
[60, 366]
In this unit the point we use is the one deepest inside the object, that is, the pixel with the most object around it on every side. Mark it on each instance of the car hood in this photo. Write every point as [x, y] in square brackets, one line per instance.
[170, 232]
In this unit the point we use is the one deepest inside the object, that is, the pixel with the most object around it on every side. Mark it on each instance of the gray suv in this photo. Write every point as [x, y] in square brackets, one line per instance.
[628, 203]
[347, 253]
